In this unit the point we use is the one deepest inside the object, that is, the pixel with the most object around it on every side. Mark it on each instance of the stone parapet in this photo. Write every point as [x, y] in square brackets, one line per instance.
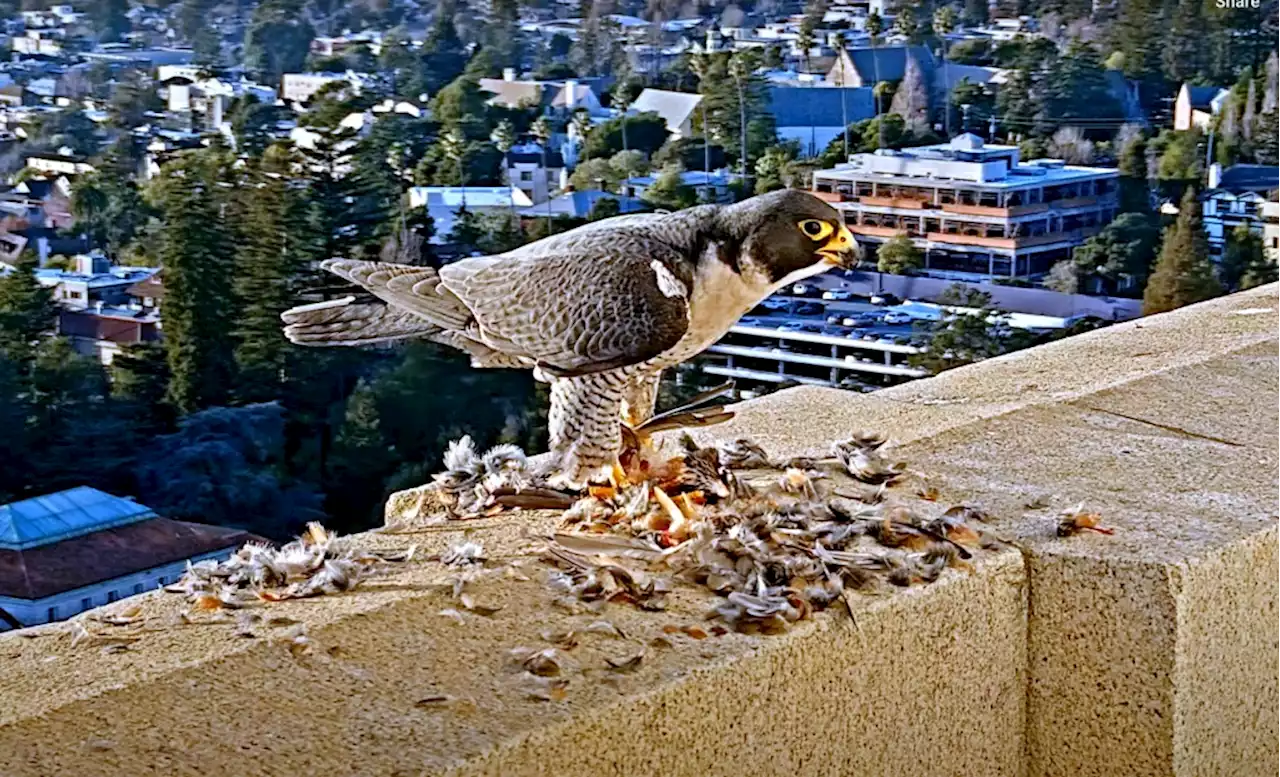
[1148, 652]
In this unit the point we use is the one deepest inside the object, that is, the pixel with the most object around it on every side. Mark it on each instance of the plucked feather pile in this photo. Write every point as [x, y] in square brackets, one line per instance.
[317, 563]
[776, 539]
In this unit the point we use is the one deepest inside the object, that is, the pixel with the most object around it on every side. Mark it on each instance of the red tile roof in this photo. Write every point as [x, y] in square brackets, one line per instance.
[103, 555]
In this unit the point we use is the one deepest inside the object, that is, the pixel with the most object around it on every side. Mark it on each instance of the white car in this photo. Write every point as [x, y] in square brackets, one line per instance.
[898, 317]
[801, 289]
[838, 295]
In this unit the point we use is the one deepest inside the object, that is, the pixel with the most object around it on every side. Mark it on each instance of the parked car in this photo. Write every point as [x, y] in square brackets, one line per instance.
[750, 321]
[835, 330]
[803, 289]
[862, 319]
[886, 299]
[793, 326]
[835, 319]
[855, 334]
[773, 303]
[898, 317]
[838, 295]
[809, 309]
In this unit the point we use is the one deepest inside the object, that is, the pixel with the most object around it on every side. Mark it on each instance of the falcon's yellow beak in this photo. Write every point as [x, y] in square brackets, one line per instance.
[840, 249]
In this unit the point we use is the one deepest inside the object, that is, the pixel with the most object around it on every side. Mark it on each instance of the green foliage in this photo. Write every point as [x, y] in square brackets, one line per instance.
[131, 100]
[278, 40]
[645, 132]
[781, 168]
[1135, 194]
[668, 192]
[67, 127]
[1244, 261]
[1120, 256]
[140, 377]
[109, 208]
[737, 106]
[253, 123]
[964, 337]
[109, 19]
[269, 271]
[1182, 274]
[898, 255]
[27, 312]
[608, 173]
[196, 250]
[225, 466]
[604, 208]
[443, 54]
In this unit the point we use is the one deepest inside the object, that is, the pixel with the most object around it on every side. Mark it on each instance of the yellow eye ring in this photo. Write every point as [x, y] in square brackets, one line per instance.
[815, 229]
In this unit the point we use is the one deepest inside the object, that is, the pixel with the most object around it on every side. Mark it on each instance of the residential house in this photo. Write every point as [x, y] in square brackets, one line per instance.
[560, 97]
[93, 283]
[63, 163]
[443, 203]
[1271, 228]
[676, 109]
[71, 551]
[975, 210]
[1196, 106]
[38, 201]
[867, 65]
[816, 115]
[526, 171]
[579, 205]
[44, 43]
[301, 87]
[1238, 195]
[709, 187]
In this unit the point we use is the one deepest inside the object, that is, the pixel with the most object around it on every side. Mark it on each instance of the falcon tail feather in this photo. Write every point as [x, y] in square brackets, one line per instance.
[347, 322]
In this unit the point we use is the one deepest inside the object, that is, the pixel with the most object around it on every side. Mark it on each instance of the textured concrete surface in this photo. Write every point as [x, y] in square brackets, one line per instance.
[1152, 651]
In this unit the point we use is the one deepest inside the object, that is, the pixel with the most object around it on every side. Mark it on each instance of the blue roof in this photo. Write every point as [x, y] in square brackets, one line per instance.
[43, 520]
[578, 204]
[819, 106]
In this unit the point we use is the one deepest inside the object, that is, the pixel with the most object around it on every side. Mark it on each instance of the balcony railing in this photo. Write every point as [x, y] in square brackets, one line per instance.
[872, 231]
[912, 203]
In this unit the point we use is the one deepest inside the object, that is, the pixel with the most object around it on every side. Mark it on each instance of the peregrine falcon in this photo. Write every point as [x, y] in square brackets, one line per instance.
[598, 311]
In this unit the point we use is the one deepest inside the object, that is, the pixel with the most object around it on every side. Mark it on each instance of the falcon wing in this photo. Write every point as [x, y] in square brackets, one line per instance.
[607, 299]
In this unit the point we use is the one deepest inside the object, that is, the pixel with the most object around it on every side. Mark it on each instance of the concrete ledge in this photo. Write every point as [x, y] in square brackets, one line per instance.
[1148, 652]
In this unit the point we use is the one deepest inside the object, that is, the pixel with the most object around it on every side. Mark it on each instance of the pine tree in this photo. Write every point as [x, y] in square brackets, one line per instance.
[1183, 274]
[199, 307]
[911, 100]
[1184, 51]
[443, 52]
[1135, 193]
[269, 270]
[1244, 262]
[27, 312]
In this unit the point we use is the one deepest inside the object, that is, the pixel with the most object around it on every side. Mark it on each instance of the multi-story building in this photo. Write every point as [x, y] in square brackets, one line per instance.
[64, 553]
[975, 210]
[1237, 196]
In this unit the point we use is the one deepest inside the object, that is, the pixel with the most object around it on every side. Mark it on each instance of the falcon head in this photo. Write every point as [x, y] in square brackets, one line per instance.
[790, 234]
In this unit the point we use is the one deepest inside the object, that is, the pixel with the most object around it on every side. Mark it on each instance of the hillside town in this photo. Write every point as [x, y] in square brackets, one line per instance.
[1014, 171]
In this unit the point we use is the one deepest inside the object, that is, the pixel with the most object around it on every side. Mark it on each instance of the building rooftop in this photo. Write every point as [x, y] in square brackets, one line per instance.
[53, 517]
[48, 276]
[967, 159]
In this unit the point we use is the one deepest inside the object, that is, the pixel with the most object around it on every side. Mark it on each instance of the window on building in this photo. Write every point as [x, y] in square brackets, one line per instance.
[53, 614]
[112, 596]
[86, 603]
[526, 175]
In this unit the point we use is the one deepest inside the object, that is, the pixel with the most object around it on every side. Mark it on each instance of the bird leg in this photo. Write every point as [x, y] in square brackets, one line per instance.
[583, 425]
[640, 398]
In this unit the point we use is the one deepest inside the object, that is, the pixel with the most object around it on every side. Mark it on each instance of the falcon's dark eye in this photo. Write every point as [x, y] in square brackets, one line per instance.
[816, 229]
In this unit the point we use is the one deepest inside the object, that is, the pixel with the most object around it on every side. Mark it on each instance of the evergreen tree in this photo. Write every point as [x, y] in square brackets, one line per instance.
[140, 378]
[443, 53]
[1135, 194]
[1184, 51]
[1182, 274]
[278, 40]
[911, 100]
[899, 256]
[109, 19]
[27, 313]
[269, 271]
[1120, 255]
[199, 307]
[1076, 90]
[1244, 262]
